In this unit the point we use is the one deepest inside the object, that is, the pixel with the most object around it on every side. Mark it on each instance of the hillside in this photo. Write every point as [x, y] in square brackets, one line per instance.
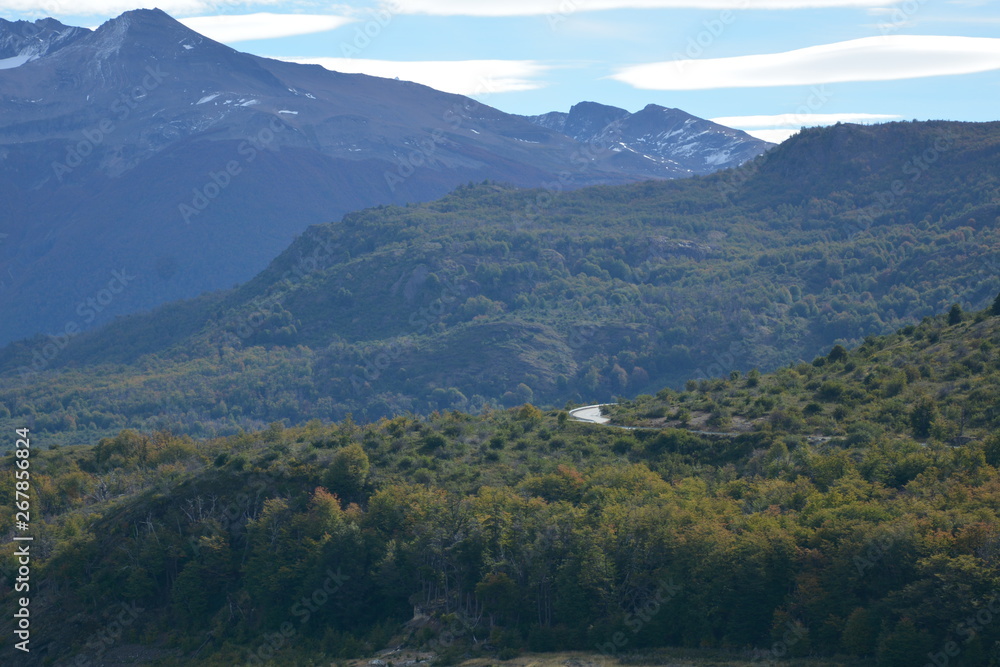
[459, 536]
[493, 296]
[146, 148]
[934, 381]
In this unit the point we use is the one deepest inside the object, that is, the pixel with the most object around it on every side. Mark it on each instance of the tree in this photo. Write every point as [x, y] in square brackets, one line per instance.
[954, 315]
[499, 596]
[348, 472]
[905, 645]
[922, 416]
[860, 633]
[995, 309]
[838, 353]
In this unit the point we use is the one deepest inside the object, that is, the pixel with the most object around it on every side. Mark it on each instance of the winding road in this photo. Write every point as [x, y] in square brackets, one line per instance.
[591, 414]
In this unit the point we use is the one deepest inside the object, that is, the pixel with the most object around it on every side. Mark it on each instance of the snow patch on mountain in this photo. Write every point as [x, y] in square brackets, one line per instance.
[15, 61]
[673, 142]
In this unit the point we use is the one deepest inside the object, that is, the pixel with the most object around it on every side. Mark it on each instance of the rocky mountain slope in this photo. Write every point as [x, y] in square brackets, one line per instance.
[146, 149]
[683, 144]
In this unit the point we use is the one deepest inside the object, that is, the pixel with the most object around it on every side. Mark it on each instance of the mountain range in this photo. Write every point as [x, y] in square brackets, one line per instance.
[494, 296]
[146, 149]
[686, 144]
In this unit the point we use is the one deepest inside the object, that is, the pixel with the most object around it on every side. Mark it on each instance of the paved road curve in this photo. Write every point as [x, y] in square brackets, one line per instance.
[591, 414]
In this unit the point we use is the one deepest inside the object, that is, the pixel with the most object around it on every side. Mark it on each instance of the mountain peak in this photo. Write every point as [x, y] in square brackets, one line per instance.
[142, 20]
[591, 107]
[30, 40]
[588, 118]
[145, 33]
[154, 13]
[669, 111]
[670, 142]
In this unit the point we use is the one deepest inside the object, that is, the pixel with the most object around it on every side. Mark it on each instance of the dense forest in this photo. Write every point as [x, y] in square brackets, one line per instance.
[847, 507]
[493, 297]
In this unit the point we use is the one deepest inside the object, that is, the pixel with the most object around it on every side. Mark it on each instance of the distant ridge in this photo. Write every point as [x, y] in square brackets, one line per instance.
[595, 293]
[685, 144]
[144, 147]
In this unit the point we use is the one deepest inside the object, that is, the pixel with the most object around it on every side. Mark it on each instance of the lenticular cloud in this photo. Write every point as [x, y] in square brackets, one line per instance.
[868, 59]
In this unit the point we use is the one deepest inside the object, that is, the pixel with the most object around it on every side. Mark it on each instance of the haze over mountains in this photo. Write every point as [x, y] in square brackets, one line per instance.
[366, 449]
[496, 296]
[145, 148]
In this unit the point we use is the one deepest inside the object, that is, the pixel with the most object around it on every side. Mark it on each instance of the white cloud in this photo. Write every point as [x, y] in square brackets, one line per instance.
[775, 136]
[779, 127]
[464, 77]
[108, 8]
[230, 28]
[884, 58]
[798, 120]
[566, 7]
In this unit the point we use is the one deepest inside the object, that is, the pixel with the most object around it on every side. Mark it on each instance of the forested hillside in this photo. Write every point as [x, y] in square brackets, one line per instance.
[492, 296]
[221, 158]
[875, 539]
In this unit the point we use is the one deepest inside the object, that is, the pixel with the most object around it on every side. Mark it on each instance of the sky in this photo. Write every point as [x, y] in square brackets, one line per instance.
[768, 67]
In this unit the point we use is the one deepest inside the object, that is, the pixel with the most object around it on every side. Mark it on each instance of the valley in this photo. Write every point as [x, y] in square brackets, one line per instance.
[487, 299]
[307, 367]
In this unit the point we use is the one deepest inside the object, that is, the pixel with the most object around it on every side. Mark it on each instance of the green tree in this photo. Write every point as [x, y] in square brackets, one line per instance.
[904, 646]
[348, 472]
[860, 633]
[922, 416]
[838, 353]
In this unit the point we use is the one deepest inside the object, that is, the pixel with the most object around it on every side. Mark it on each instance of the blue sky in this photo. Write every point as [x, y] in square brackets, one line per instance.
[767, 66]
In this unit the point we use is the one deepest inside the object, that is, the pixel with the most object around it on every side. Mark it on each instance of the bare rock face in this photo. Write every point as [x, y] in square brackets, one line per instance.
[667, 142]
[21, 41]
